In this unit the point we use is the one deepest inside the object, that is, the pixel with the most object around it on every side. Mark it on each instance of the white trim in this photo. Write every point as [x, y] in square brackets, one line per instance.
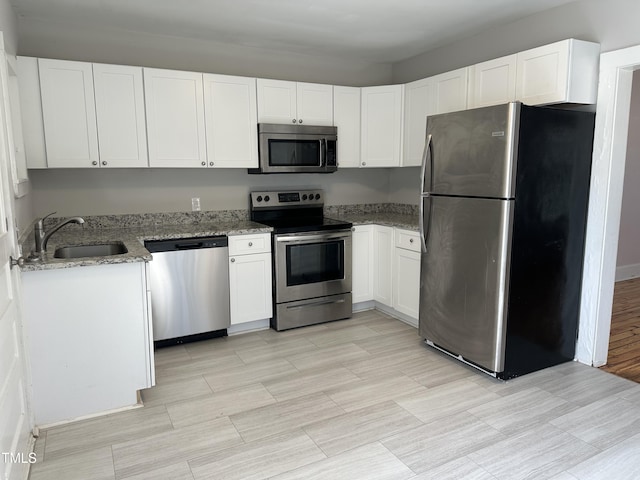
[627, 272]
[605, 203]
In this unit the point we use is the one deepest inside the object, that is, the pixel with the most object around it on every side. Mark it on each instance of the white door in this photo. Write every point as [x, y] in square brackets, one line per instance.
[492, 82]
[174, 102]
[381, 126]
[383, 264]
[231, 118]
[346, 116]
[450, 91]
[362, 269]
[122, 131]
[406, 295]
[314, 103]
[250, 287]
[418, 104]
[69, 113]
[15, 417]
[276, 101]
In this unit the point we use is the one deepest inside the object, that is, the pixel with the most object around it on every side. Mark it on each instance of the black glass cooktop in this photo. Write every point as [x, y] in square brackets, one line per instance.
[304, 224]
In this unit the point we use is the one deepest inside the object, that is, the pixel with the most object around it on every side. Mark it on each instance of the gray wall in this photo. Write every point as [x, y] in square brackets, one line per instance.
[23, 210]
[77, 42]
[8, 26]
[612, 23]
[119, 191]
[629, 243]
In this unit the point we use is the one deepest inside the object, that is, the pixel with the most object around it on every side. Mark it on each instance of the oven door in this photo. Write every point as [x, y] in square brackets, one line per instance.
[312, 264]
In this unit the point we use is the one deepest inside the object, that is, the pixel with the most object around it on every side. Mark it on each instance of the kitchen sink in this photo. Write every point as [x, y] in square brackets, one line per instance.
[96, 250]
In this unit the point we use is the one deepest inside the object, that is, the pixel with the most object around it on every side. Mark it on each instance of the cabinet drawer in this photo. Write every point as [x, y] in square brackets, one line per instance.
[408, 240]
[248, 244]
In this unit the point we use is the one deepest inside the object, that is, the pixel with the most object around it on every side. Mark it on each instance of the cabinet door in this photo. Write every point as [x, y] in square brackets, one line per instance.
[418, 104]
[276, 101]
[492, 82]
[381, 126]
[231, 119]
[175, 118]
[314, 103]
[565, 71]
[122, 134]
[31, 110]
[250, 287]
[346, 116]
[450, 91]
[383, 264]
[362, 270]
[69, 114]
[542, 74]
[406, 295]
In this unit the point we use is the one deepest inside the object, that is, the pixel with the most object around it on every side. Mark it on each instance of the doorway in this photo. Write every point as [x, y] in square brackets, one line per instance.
[609, 156]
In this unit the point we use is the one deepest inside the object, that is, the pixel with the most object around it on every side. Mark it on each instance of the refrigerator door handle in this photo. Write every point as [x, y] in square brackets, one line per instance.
[427, 154]
[425, 223]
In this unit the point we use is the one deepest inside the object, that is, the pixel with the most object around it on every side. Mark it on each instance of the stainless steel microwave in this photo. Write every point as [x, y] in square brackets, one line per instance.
[296, 149]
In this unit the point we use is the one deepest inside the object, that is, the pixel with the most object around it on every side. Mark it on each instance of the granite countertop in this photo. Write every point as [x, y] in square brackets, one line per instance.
[133, 238]
[399, 220]
[134, 229]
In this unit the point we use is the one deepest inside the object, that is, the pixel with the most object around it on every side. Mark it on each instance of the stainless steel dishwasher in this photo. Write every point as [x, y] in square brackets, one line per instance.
[189, 289]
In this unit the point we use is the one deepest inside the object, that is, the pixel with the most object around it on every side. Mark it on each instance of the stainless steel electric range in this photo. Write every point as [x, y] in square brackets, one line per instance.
[311, 258]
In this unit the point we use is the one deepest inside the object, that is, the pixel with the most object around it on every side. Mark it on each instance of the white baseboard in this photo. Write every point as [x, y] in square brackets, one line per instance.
[627, 272]
[249, 327]
[363, 306]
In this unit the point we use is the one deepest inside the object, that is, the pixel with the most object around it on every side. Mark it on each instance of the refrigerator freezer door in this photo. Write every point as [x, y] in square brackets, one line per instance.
[472, 152]
[464, 280]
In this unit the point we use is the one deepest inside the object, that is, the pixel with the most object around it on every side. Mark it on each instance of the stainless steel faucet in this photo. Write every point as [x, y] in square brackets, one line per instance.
[42, 237]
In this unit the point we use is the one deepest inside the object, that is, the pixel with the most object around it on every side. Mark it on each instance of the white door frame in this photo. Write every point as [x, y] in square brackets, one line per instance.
[605, 203]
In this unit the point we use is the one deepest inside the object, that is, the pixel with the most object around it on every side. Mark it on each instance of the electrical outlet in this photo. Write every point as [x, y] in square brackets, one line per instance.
[195, 204]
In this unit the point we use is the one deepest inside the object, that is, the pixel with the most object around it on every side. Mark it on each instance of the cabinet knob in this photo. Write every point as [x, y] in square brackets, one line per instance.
[364, 164]
[94, 162]
[104, 162]
[300, 121]
[251, 244]
[211, 164]
[204, 164]
[411, 240]
[293, 121]
[233, 260]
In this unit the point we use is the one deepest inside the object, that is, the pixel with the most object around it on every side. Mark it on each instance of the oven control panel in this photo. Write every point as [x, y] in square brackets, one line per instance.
[289, 198]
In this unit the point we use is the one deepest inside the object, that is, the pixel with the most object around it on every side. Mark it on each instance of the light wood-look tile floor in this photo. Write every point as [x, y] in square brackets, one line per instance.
[357, 399]
[624, 340]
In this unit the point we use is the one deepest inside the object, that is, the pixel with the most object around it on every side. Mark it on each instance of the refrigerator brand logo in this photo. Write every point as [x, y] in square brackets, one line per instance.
[497, 134]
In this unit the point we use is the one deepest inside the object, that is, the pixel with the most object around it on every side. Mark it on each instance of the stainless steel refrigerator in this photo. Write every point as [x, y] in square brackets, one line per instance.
[503, 218]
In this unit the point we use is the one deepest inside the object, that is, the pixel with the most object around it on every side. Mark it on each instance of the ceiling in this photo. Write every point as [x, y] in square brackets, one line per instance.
[384, 31]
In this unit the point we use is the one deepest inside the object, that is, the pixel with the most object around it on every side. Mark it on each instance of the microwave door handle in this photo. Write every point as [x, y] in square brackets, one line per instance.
[323, 153]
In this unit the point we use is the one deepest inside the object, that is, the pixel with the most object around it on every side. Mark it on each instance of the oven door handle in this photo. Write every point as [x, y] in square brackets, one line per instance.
[311, 238]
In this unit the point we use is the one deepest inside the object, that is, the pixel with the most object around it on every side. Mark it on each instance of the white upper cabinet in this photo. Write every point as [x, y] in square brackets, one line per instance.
[450, 91]
[31, 111]
[175, 118]
[281, 101]
[122, 134]
[69, 113]
[315, 103]
[493, 82]
[231, 121]
[565, 71]
[346, 116]
[418, 104]
[381, 126]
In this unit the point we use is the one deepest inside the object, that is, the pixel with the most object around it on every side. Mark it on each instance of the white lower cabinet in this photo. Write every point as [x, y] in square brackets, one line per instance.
[406, 277]
[383, 264]
[89, 339]
[250, 278]
[362, 270]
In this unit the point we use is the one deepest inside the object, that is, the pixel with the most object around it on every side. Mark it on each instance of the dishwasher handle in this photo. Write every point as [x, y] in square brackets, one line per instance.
[179, 244]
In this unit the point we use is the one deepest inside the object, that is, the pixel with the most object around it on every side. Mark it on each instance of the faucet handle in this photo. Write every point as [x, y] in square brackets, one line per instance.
[41, 221]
